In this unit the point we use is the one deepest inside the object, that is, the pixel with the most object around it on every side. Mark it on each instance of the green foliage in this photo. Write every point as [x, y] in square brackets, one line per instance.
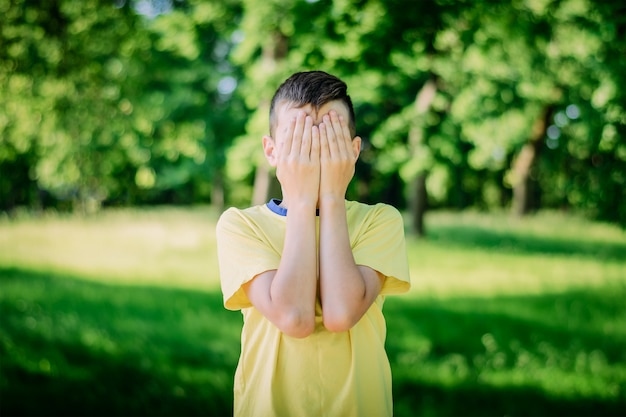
[110, 105]
[130, 102]
[70, 88]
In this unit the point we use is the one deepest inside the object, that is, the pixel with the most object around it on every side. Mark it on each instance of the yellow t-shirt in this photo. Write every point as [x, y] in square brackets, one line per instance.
[324, 374]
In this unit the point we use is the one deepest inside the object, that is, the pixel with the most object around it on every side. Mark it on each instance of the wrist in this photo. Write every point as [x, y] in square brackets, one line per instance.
[303, 205]
[332, 200]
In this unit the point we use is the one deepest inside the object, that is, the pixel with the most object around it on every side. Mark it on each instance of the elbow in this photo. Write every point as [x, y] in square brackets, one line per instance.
[297, 325]
[338, 323]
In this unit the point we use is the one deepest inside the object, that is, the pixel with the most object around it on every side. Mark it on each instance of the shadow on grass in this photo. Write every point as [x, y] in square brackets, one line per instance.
[482, 237]
[73, 347]
[552, 355]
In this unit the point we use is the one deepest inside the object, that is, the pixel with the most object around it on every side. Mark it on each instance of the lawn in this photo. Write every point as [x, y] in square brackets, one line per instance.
[121, 314]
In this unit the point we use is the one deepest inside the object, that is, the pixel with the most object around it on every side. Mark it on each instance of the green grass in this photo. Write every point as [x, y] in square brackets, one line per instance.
[121, 314]
[161, 247]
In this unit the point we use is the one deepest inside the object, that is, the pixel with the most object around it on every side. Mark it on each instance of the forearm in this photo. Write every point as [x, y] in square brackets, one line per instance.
[293, 289]
[342, 287]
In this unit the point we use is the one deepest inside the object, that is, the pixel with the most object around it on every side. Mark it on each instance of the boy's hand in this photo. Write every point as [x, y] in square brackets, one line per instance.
[337, 157]
[298, 168]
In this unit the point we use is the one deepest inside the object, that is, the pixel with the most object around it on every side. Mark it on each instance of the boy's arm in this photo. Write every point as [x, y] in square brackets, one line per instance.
[286, 296]
[347, 290]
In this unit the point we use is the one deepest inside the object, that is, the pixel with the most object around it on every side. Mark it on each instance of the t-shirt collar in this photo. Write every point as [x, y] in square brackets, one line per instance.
[274, 206]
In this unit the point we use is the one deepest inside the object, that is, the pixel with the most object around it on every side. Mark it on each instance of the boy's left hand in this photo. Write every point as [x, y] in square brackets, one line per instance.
[338, 156]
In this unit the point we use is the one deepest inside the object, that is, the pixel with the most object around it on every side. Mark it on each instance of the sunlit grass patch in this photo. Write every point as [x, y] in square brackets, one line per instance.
[488, 255]
[172, 247]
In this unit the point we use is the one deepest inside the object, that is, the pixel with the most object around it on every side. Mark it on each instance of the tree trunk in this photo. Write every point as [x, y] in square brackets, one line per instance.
[418, 204]
[418, 194]
[523, 165]
[217, 191]
[265, 183]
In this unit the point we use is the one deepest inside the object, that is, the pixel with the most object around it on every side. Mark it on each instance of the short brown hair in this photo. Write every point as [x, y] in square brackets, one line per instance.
[312, 87]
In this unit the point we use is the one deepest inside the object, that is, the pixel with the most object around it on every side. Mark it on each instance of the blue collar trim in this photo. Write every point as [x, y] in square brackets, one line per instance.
[274, 206]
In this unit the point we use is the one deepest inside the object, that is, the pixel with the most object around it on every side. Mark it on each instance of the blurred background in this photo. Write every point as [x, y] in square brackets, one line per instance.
[485, 104]
[498, 128]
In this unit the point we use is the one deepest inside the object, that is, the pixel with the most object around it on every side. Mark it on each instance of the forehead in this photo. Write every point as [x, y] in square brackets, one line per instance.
[287, 111]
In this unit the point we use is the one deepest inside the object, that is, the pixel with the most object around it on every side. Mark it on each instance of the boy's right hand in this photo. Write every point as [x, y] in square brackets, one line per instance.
[298, 168]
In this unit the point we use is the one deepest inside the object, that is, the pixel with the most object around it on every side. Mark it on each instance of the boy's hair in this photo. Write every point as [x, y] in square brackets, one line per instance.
[312, 87]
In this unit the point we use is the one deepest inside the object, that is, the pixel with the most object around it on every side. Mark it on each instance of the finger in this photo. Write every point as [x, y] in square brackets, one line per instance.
[332, 139]
[340, 138]
[297, 134]
[305, 149]
[286, 143]
[347, 135]
[324, 148]
[315, 143]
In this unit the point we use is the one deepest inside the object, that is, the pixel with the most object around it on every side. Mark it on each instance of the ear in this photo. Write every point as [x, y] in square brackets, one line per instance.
[356, 146]
[270, 151]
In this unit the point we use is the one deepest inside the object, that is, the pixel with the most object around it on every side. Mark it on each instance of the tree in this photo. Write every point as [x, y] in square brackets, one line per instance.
[190, 102]
[485, 103]
[533, 71]
[64, 94]
[506, 74]
[105, 105]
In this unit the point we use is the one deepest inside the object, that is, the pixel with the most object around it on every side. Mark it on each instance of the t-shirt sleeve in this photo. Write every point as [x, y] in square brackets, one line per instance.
[382, 247]
[242, 255]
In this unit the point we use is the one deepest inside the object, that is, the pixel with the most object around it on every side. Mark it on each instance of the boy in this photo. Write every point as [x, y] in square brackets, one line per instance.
[309, 272]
